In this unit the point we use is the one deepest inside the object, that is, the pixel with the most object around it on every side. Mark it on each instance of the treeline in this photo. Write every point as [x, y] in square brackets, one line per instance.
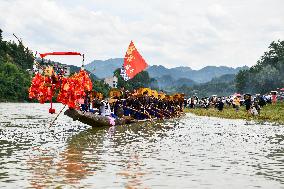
[267, 74]
[14, 80]
[140, 80]
[221, 86]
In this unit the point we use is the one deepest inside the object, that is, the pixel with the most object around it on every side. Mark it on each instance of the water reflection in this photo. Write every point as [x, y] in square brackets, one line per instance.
[133, 172]
[73, 167]
[191, 152]
[69, 165]
[39, 167]
[274, 169]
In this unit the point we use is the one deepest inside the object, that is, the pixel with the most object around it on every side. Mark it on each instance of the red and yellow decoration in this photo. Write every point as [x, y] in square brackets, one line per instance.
[70, 90]
[41, 88]
[74, 88]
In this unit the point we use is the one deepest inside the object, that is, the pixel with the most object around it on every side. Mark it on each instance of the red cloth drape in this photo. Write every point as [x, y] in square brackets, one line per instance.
[42, 55]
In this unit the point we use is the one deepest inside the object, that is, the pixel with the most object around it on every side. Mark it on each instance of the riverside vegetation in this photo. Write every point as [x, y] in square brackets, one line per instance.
[270, 112]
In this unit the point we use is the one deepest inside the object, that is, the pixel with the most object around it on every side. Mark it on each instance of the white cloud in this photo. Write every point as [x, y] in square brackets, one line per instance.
[170, 33]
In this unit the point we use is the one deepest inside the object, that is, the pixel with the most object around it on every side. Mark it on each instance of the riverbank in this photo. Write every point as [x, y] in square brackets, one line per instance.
[270, 112]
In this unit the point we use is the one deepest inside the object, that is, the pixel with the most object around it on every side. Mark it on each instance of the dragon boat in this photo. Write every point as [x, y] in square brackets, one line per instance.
[95, 120]
[72, 90]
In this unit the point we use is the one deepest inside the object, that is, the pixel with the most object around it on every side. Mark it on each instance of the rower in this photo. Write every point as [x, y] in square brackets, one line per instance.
[105, 108]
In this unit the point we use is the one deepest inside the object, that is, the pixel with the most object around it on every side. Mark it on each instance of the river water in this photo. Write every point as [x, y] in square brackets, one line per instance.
[188, 152]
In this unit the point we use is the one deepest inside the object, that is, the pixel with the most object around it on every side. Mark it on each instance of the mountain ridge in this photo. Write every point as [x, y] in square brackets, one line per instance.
[105, 68]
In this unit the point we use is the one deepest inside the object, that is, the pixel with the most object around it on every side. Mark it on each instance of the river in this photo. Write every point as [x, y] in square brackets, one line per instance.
[188, 152]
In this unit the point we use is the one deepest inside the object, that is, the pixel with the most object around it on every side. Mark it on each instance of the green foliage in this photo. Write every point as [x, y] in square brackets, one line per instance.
[140, 80]
[14, 80]
[221, 86]
[14, 83]
[208, 89]
[16, 54]
[101, 87]
[1, 35]
[267, 74]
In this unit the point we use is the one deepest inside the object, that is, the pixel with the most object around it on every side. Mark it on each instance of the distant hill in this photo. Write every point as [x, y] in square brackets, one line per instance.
[200, 76]
[227, 78]
[167, 82]
[106, 68]
[221, 86]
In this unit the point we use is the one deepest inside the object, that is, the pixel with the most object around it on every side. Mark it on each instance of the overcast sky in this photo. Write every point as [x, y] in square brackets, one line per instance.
[170, 33]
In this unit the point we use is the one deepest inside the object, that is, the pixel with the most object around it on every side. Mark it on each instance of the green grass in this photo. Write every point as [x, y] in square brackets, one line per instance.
[271, 113]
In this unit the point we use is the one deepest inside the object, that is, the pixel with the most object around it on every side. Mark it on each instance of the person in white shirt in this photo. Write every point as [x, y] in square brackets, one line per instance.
[105, 108]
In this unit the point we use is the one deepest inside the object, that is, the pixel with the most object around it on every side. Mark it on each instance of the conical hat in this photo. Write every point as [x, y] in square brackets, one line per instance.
[115, 93]
[145, 90]
[155, 93]
[161, 96]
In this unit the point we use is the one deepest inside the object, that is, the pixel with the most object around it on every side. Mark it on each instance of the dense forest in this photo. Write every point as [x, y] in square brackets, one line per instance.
[267, 74]
[14, 79]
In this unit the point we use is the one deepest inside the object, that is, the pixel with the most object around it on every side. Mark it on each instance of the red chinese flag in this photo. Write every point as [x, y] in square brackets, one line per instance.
[133, 61]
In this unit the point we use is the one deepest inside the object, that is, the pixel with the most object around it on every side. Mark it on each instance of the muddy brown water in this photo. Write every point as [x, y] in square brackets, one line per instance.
[188, 152]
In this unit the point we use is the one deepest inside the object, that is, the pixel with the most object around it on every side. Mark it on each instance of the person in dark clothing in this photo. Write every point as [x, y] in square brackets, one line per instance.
[257, 107]
[192, 103]
[247, 103]
[262, 101]
[220, 105]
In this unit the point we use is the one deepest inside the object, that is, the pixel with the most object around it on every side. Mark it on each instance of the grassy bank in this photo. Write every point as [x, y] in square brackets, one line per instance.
[271, 113]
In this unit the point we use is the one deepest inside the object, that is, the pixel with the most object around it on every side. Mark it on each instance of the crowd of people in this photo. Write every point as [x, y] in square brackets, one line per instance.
[147, 104]
[253, 104]
[138, 104]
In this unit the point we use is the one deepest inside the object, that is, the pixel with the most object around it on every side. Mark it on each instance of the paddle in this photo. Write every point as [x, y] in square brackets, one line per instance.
[136, 110]
[56, 116]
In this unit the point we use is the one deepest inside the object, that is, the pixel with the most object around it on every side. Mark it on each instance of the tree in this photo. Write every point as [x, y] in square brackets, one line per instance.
[14, 83]
[14, 80]
[267, 74]
[101, 87]
[1, 35]
[140, 80]
[241, 81]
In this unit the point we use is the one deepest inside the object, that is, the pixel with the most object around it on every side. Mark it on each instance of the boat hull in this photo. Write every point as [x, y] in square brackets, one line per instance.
[96, 120]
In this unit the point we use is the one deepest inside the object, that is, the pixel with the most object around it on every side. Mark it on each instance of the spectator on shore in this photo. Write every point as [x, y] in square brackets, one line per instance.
[262, 101]
[247, 102]
[220, 105]
[237, 103]
[192, 103]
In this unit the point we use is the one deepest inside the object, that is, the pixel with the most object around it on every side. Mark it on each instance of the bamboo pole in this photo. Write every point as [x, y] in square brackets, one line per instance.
[56, 116]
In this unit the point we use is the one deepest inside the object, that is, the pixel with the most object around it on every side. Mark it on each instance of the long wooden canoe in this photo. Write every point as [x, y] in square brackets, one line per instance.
[98, 120]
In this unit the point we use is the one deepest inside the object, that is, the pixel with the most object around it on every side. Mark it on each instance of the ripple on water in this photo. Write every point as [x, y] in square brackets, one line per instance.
[190, 152]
